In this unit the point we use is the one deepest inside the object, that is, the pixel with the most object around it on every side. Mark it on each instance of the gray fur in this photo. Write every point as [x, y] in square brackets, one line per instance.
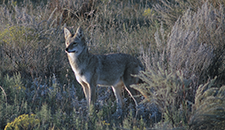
[91, 70]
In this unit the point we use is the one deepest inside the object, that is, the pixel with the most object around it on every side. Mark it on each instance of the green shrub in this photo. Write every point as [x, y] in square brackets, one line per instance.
[24, 122]
[12, 98]
[14, 88]
[16, 35]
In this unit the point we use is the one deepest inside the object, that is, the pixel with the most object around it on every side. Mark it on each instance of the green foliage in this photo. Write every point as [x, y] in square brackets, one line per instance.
[24, 122]
[16, 34]
[14, 88]
[14, 82]
[148, 12]
[12, 99]
[131, 123]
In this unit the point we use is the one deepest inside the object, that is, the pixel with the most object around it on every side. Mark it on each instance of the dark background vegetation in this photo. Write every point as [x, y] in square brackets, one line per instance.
[180, 42]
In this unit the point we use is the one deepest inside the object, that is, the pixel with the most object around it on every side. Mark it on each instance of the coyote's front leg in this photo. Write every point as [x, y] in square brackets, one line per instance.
[89, 92]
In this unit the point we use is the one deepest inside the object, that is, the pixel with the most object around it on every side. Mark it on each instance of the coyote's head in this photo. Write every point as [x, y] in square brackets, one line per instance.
[74, 43]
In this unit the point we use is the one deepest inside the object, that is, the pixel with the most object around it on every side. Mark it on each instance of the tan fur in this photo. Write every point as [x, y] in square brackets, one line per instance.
[91, 70]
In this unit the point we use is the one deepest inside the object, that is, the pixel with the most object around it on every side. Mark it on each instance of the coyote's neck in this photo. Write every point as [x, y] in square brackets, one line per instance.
[79, 62]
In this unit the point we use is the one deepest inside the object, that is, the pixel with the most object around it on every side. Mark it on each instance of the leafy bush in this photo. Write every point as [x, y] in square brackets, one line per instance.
[12, 99]
[24, 122]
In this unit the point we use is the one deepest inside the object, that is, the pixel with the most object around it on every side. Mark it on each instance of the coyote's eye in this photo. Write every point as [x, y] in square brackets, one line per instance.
[74, 43]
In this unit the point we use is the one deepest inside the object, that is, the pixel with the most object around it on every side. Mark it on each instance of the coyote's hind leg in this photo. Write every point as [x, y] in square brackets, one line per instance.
[117, 89]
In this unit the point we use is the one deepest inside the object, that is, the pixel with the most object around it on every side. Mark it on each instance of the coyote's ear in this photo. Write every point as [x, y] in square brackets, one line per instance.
[67, 33]
[79, 32]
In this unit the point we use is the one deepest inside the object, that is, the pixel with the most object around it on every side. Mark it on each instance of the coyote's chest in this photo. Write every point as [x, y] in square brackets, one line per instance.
[79, 69]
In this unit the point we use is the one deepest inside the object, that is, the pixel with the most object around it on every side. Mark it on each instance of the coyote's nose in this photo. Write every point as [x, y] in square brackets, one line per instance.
[66, 50]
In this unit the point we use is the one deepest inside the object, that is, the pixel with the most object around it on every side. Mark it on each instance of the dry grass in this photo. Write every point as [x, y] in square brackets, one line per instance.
[181, 44]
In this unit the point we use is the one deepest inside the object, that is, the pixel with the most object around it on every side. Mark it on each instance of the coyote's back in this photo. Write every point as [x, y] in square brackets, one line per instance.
[90, 70]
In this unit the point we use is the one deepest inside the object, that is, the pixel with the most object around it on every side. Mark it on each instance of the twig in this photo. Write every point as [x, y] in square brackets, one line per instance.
[136, 104]
[4, 94]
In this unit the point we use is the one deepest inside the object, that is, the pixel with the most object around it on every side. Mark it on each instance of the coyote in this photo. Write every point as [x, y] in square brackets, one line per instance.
[91, 70]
